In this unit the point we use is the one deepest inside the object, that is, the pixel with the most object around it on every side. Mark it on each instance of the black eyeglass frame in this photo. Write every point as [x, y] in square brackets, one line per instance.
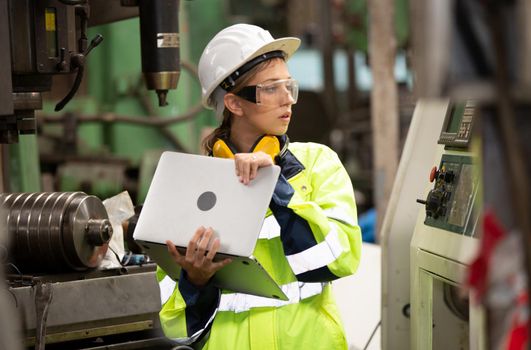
[248, 93]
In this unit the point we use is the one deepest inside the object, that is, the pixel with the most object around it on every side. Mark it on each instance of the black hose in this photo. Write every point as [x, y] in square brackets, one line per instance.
[73, 90]
[372, 335]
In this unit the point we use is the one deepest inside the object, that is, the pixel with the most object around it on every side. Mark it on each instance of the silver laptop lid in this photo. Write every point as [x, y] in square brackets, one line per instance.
[188, 191]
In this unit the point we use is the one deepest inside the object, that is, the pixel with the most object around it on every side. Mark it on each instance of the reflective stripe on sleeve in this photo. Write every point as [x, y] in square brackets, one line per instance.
[270, 228]
[166, 286]
[295, 291]
[339, 214]
[317, 256]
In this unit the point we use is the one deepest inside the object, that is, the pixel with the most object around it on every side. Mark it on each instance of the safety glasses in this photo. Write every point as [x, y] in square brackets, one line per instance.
[274, 93]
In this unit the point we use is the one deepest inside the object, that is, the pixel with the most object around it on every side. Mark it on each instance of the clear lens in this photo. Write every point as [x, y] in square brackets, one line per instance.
[277, 93]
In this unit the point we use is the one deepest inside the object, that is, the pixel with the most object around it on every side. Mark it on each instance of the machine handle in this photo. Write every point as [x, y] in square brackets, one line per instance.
[79, 61]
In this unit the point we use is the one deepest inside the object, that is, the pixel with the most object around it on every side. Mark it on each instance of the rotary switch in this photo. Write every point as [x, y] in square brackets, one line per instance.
[437, 199]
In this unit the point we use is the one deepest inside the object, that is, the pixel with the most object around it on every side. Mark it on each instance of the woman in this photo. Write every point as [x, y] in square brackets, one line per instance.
[310, 234]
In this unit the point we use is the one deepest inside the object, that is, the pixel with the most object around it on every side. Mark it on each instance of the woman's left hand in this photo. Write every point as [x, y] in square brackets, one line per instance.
[247, 165]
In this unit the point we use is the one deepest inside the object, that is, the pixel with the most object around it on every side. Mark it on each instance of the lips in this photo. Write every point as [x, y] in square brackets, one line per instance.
[285, 116]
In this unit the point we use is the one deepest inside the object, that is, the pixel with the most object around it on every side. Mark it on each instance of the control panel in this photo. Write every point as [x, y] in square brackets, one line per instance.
[457, 126]
[450, 204]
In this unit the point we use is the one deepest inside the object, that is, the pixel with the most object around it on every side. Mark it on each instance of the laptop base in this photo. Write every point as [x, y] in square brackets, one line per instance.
[243, 275]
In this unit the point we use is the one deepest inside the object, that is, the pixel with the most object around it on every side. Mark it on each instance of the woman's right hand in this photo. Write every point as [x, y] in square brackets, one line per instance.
[247, 165]
[197, 262]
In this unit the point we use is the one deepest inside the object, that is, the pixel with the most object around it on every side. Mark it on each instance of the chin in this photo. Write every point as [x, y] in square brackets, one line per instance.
[279, 131]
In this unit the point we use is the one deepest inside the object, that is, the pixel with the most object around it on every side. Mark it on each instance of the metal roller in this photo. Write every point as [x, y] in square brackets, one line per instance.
[55, 231]
[13, 218]
[87, 231]
[42, 238]
[43, 232]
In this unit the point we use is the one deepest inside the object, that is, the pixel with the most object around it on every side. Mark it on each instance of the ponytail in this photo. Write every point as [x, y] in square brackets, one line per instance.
[221, 132]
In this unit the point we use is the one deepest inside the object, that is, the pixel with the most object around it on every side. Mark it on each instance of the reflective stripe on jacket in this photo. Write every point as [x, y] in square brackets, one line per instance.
[309, 237]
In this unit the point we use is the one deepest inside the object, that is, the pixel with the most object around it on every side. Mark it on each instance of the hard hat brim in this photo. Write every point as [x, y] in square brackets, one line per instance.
[288, 45]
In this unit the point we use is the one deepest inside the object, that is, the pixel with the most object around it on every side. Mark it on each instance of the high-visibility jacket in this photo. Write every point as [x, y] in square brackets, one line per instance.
[310, 237]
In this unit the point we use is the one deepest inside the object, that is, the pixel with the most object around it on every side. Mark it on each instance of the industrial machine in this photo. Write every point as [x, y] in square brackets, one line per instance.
[469, 142]
[53, 242]
[444, 242]
[57, 240]
[400, 220]
[429, 233]
[50, 37]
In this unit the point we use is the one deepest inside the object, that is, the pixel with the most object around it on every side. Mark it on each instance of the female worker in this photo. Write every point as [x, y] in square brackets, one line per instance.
[310, 235]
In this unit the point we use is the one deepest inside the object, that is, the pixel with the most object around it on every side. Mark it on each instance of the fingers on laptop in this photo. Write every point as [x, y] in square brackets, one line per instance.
[213, 250]
[200, 252]
[212, 253]
[192, 245]
[174, 252]
[243, 162]
[223, 263]
[202, 244]
[247, 165]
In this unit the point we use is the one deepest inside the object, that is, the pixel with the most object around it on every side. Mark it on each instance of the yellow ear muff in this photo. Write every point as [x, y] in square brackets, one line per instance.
[269, 145]
[222, 150]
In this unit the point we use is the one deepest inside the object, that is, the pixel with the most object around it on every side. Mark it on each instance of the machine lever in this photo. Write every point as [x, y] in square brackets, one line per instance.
[79, 61]
[61, 66]
[93, 43]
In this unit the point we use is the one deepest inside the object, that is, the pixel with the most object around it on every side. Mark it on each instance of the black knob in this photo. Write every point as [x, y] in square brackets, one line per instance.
[77, 60]
[435, 203]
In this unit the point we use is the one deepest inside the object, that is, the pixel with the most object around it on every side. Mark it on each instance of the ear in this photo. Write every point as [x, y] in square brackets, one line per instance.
[233, 104]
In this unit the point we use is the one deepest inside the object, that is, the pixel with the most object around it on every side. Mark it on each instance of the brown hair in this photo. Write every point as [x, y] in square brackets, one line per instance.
[223, 131]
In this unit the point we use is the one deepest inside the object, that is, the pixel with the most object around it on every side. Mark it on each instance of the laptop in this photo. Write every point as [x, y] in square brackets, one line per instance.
[188, 191]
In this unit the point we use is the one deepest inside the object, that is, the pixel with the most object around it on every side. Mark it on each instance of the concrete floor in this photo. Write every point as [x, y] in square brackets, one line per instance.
[359, 300]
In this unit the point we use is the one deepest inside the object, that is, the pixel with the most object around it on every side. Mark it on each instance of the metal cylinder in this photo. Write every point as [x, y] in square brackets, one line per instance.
[159, 33]
[55, 231]
[98, 231]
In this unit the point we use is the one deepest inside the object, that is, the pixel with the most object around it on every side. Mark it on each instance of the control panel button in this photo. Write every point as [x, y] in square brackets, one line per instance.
[433, 173]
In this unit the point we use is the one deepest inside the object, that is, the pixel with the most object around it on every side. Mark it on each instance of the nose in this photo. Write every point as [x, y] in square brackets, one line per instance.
[287, 97]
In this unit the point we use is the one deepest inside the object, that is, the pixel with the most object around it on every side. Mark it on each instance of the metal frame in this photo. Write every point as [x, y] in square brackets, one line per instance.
[400, 219]
[93, 307]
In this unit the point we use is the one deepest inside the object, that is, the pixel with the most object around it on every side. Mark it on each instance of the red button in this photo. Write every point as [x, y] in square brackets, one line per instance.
[433, 173]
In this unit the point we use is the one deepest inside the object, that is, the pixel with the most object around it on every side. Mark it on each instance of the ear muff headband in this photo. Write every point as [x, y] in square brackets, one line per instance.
[269, 145]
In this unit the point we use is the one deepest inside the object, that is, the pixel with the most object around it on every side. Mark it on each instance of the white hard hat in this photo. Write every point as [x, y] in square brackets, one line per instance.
[233, 47]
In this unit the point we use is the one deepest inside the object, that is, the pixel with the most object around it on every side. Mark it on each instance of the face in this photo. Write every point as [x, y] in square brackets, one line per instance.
[267, 119]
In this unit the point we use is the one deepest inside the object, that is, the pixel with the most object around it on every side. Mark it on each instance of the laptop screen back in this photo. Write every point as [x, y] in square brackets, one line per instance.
[188, 191]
